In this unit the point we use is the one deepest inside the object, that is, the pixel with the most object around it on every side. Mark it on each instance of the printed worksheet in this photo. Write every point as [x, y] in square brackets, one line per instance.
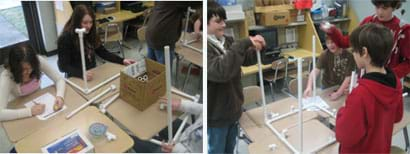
[48, 100]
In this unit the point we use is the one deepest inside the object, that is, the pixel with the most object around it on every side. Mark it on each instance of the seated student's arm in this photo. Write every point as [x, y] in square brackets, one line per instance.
[190, 107]
[350, 120]
[65, 53]
[222, 68]
[106, 55]
[5, 90]
[54, 75]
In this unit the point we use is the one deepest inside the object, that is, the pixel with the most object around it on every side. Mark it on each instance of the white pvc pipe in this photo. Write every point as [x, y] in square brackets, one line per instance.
[282, 116]
[112, 88]
[95, 87]
[103, 107]
[104, 82]
[186, 25]
[75, 85]
[155, 142]
[176, 137]
[183, 94]
[80, 32]
[352, 81]
[168, 92]
[300, 103]
[193, 48]
[314, 64]
[258, 55]
[282, 138]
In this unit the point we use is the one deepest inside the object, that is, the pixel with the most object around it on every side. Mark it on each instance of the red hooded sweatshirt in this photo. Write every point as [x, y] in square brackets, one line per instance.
[365, 123]
[399, 60]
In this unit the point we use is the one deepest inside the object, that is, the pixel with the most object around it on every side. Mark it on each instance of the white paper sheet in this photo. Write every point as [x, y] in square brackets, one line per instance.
[48, 100]
[314, 100]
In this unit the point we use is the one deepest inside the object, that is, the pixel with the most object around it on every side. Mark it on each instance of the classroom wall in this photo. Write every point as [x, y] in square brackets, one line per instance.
[365, 8]
[48, 24]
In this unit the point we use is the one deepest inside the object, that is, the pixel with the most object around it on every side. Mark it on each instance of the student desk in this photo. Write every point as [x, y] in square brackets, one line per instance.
[21, 128]
[119, 16]
[192, 56]
[101, 73]
[80, 121]
[143, 124]
[253, 124]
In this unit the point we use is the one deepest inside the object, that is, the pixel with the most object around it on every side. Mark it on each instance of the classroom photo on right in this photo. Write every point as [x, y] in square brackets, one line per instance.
[308, 76]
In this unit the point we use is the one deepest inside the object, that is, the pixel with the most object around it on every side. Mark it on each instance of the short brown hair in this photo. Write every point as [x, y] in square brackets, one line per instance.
[395, 4]
[377, 39]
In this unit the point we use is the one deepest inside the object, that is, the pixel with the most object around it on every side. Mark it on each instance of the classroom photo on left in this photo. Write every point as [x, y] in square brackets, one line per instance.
[101, 77]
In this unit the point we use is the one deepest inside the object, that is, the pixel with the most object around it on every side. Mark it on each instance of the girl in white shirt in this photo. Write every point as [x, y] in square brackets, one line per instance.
[22, 77]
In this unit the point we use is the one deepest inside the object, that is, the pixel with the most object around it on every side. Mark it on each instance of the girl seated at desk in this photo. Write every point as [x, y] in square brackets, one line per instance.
[69, 56]
[337, 65]
[21, 78]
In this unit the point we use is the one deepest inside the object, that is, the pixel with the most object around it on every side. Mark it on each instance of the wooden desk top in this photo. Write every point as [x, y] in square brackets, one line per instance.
[120, 16]
[81, 121]
[101, 73]
[299, 53]
[143, 124]
[18, 129]
[189, 54]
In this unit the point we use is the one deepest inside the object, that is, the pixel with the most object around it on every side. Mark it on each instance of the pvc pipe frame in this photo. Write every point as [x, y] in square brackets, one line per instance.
[88, 91]
[103, 107]
[301, 108]
[72, 113]
[80, 32]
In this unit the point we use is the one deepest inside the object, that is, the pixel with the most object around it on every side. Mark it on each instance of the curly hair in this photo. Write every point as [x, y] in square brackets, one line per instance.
[19, 54]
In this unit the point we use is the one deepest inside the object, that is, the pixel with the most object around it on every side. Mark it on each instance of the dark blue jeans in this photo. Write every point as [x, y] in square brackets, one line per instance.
[159, 55]
[222, 140]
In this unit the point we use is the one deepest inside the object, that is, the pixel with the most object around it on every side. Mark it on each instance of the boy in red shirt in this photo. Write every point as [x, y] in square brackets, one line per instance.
[399, 60]
[365, 123]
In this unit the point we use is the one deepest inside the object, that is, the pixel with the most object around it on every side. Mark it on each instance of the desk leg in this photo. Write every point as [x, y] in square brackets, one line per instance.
[406, 138]
[187, 76]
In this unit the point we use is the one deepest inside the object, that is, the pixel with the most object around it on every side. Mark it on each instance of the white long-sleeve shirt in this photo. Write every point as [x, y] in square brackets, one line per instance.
[9, 90]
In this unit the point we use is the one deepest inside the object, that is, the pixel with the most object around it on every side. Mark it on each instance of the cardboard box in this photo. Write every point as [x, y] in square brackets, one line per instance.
[275, 17]
[142, 94]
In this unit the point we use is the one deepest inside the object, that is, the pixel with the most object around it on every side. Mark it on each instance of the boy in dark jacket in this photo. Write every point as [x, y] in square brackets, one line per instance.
[365, 123]
[225, 97]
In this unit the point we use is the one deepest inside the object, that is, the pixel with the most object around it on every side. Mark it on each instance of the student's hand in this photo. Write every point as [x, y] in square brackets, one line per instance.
[165, 147]
[128, 62]
[335, 95]
[37, 109]
[307, 93]
[326, 28]
[197, 36]
[258, 42]
[89, 75]
[58, 103]
[176, 103]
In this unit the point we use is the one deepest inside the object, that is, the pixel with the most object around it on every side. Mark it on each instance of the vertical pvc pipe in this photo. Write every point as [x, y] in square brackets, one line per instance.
[300, 103]
[314, 64]
[168, 92]
[352, 81]
[258, 55]
[80, 32]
